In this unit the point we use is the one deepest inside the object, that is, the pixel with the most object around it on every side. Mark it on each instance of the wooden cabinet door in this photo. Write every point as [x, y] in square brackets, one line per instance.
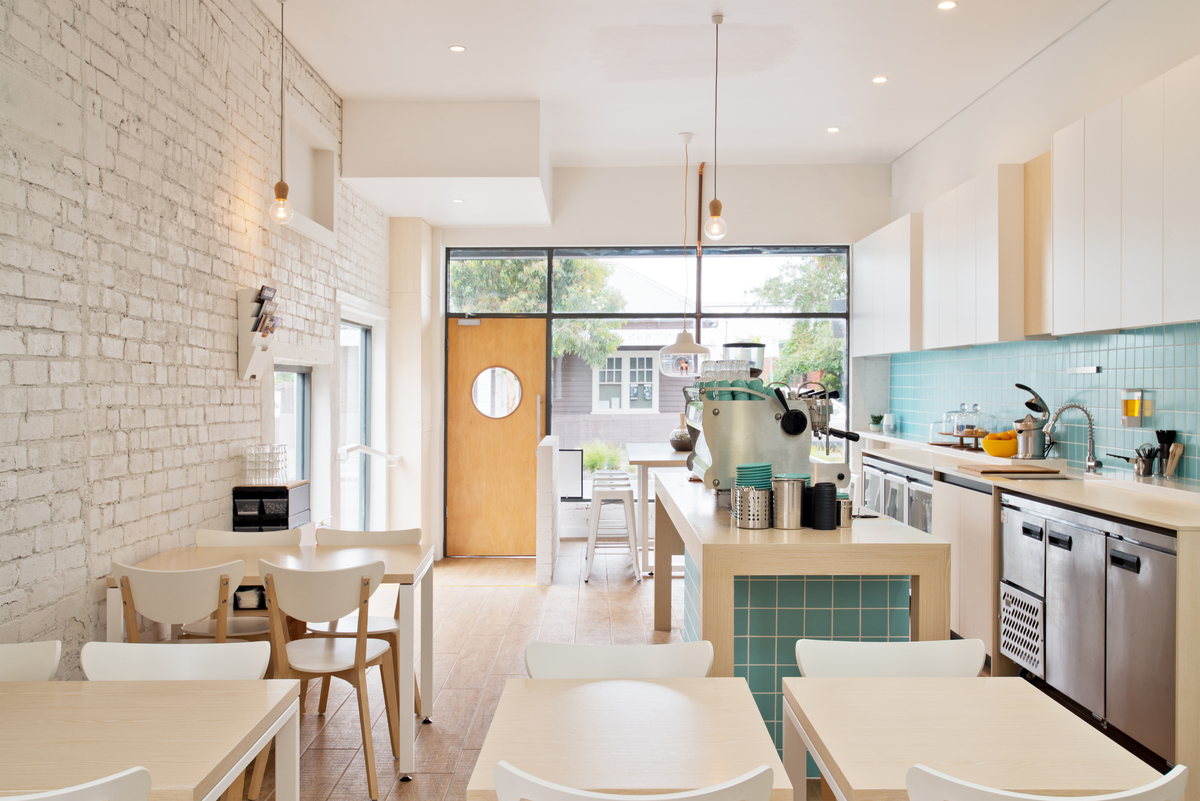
[1142, 206]
[1067, 203]
[1102, 218]
[946, 501]
[931, 278]
[978, 573]
[1181, 193]
[965, 222]
[948, 271]
[491, 464]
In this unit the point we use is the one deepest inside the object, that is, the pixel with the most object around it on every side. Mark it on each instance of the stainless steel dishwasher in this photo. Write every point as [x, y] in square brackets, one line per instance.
[1075, 557]
[1140, 700]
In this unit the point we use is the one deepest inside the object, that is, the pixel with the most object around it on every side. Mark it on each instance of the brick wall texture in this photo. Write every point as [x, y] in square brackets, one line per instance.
[138, 147]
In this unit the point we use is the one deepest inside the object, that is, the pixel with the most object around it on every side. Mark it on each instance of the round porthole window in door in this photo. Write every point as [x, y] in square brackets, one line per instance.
[496, 392]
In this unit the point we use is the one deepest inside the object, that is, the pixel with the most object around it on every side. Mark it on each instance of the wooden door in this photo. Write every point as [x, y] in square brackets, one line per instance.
[491, 467]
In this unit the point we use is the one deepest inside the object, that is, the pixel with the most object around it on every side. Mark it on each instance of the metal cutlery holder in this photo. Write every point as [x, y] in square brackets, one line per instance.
[752, 507]
[788, 502]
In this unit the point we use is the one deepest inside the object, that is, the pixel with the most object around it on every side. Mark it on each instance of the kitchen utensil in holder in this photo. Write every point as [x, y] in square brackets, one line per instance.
[752, 507]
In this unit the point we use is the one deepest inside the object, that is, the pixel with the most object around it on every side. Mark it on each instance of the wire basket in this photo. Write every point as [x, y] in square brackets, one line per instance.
[266, 466]
[752, 507]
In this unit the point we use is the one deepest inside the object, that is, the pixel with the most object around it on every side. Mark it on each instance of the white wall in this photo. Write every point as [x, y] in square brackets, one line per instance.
[764, 205]
[1124, 44]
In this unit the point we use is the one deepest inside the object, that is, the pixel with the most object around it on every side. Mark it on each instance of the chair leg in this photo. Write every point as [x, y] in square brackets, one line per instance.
[325, 682]
[416, 694]
[303, 694]
[364, 717]
[234, 791]
[391, 704]
[260, 770]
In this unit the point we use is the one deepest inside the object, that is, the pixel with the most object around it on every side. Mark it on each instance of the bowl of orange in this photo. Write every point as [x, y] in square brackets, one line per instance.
[1002, 444]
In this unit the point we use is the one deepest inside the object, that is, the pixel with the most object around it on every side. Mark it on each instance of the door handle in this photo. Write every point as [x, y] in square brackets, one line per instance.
[1032, 531]
[1060, 541]
[537, 433]
[1126, 561]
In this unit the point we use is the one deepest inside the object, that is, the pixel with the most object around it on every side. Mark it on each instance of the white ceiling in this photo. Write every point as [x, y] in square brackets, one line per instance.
[619, 79]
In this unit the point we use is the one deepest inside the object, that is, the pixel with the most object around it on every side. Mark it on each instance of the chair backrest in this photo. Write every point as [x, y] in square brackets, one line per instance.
[926, 784]
[128, 785]
[128, 661]
[319, 596]
[336, 536]
[30, 661]
[938, 658]
[680, 660]
[179, 596]
[517, 785]
[208, 538]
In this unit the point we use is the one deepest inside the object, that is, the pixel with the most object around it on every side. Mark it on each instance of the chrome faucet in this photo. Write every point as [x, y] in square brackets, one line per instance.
[1093, 464]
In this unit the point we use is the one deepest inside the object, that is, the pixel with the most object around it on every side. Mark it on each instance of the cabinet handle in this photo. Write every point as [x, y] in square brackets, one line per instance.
[1126, 561]
[1032, 531]
[1060, 541]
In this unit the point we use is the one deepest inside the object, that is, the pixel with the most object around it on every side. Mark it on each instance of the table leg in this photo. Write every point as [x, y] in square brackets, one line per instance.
[427, 644]
[287, 757]
[930, 611]
[644, 516]
[667, 543]
[115, 627]
[795, 735]
[406, 701]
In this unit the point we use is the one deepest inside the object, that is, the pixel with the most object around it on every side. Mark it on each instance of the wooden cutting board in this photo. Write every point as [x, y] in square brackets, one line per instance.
[1004, 469]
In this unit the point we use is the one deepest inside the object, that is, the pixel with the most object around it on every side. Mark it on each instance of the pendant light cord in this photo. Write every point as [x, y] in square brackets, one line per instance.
[716, 75]
[686, 168]
[282, 47]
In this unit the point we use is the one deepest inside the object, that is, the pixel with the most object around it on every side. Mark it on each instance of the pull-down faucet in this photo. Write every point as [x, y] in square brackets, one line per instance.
[1093, 464]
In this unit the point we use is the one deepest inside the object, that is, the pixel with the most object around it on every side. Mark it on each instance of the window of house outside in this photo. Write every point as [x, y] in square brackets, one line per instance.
[355, 421]
[627, 382]
[293, 418]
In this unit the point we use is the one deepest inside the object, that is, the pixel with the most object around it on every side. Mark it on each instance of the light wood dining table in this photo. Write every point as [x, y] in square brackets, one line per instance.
[865, 733]
[405, 565]
[625, 736]
[643, 456]
[195, 737]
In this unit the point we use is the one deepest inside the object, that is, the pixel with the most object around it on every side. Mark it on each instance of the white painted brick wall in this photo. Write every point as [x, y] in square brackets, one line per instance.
[138, 148]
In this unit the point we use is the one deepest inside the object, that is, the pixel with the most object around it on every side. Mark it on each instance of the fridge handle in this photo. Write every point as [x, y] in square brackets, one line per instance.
[1126, 561]
[1032, 531]
[1060, 541]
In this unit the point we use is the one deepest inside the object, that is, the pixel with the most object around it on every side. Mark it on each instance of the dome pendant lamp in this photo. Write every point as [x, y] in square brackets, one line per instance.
[682, 359]
[281, 211]
[715, 228]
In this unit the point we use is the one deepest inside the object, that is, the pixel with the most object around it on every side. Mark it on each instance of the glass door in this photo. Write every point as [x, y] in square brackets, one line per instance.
[920, 507]
[872, 489]
[895, 498]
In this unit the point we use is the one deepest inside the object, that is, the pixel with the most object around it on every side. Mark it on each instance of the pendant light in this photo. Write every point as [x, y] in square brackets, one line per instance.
[281, 211]
[715, 228]
[682, 359]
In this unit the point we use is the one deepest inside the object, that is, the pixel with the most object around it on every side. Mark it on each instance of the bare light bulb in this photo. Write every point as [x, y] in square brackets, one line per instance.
[715, 228]
[281, 211]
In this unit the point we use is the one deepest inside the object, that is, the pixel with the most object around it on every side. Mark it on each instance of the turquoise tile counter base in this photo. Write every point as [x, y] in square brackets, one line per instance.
[771, 612]
[1163, 360]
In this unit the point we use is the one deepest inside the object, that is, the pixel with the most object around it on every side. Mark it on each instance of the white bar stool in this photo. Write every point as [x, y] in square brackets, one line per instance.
[622, 494]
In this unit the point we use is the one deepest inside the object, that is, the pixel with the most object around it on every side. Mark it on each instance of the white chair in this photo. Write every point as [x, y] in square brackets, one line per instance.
[209, 538]
[128, 785]
[517, 785]
[178, 597]
[249, 627]
[940, 658]
[128, 661]
[30, 661]
[386, 627]
[552, 660]
[622, 494]
[926, 784]
[324, 595]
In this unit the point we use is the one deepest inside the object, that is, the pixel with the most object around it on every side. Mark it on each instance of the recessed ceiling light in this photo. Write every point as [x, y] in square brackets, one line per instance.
[880, 79]
[947, 4]
[456, 201]
[460, 48]
[833, 130]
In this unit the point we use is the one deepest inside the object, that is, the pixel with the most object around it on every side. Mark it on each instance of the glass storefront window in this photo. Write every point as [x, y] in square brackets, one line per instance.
[499, 282]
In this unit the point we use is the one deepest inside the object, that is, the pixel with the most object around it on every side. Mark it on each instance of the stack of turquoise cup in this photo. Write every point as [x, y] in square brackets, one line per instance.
[755, 474]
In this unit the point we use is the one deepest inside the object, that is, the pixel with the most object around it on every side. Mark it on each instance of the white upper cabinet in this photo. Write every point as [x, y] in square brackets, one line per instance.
[887, 296]
[974, 261]
[1067, 170]
[1142, 206]
[1102, 219]
[1181, 193]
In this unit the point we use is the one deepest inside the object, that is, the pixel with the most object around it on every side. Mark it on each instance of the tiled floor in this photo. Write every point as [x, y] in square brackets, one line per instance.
[485, 611]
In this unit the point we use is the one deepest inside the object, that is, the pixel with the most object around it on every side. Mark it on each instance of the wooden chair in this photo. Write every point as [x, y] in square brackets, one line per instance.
[128, 785]
[312, 595]
[178, 597]
[246, 627]
[927, 784]
[127, 661]
[517, 785]
[938, 658]
[30, 661]
[547, 660]
[387, 628]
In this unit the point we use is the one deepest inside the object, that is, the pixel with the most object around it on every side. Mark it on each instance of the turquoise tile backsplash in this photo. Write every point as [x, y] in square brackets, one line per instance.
[1163, 361]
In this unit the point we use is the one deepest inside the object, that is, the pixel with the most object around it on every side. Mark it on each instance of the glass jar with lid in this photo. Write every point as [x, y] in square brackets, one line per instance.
[950, 423]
